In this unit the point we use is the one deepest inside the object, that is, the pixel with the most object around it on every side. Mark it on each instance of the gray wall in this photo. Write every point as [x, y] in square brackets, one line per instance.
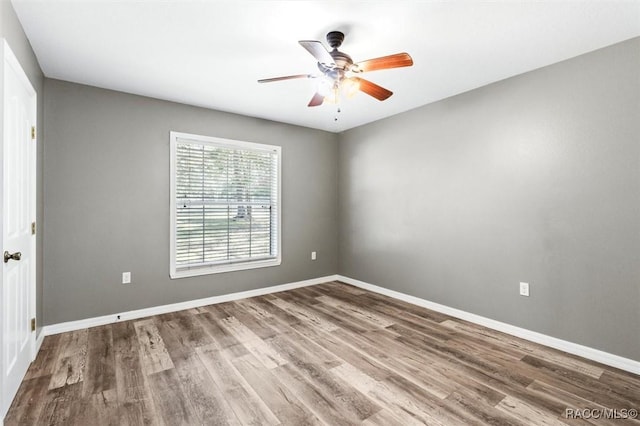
[535, 178]
[11, 30]
[107, 201]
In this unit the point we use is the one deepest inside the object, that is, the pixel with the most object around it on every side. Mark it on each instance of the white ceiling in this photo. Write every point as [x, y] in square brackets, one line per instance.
[210, 53]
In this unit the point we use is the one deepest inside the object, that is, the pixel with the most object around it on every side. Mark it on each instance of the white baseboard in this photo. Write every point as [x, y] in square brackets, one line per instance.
[543, 339]
[146, 312]
[597, 355]
[39, 340]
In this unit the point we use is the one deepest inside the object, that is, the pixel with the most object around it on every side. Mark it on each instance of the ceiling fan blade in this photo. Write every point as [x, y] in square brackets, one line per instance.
[392, 61]
[372, 89]
[288, 77]
[316, 100]
[318, 51]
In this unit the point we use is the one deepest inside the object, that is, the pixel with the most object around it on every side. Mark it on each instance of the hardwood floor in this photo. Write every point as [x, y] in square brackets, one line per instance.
[327, 354]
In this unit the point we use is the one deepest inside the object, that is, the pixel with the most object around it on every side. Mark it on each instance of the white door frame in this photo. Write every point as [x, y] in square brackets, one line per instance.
[10, 60]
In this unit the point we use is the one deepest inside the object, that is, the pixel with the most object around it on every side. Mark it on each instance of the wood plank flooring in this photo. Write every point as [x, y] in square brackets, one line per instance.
[328, 354]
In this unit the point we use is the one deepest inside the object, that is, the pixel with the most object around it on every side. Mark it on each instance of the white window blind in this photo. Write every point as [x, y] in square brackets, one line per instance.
[225, 205]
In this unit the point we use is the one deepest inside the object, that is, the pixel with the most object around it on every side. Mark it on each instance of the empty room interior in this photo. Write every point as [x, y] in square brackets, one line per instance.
[320, 212]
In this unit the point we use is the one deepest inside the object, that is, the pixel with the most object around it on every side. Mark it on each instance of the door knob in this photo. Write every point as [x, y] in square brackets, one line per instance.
[15, 256]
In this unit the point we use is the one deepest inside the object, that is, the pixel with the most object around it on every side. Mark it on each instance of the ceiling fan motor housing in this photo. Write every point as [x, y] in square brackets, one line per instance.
[341, 59]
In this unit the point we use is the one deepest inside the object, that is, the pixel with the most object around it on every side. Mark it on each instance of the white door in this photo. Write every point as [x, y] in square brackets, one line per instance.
[18, 213]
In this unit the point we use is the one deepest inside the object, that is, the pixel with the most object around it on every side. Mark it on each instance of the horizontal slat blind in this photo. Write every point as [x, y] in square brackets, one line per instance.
[226, 204]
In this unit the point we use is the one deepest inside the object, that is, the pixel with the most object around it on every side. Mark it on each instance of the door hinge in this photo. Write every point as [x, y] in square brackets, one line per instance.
[33, 132]
[33, 228]
[33, 324]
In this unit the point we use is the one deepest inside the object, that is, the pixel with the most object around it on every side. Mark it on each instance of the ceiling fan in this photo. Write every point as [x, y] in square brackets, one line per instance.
[339, 72]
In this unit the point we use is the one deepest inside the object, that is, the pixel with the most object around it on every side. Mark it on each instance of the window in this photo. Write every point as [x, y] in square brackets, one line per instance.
[225, 205]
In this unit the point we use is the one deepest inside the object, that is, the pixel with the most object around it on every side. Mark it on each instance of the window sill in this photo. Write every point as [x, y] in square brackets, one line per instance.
[218, 269]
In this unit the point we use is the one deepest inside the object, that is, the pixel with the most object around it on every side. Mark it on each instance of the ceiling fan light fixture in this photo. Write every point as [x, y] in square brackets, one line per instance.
[350, 87]
[332, 98]
[334, 90]
[326, 85]
[331, 93]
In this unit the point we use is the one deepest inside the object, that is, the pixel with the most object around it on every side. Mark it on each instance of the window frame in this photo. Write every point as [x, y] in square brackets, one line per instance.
[176, 272]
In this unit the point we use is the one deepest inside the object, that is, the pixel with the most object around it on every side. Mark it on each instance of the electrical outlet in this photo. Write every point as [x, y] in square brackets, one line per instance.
[524, 289]
[313, 255]
[126, 277]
